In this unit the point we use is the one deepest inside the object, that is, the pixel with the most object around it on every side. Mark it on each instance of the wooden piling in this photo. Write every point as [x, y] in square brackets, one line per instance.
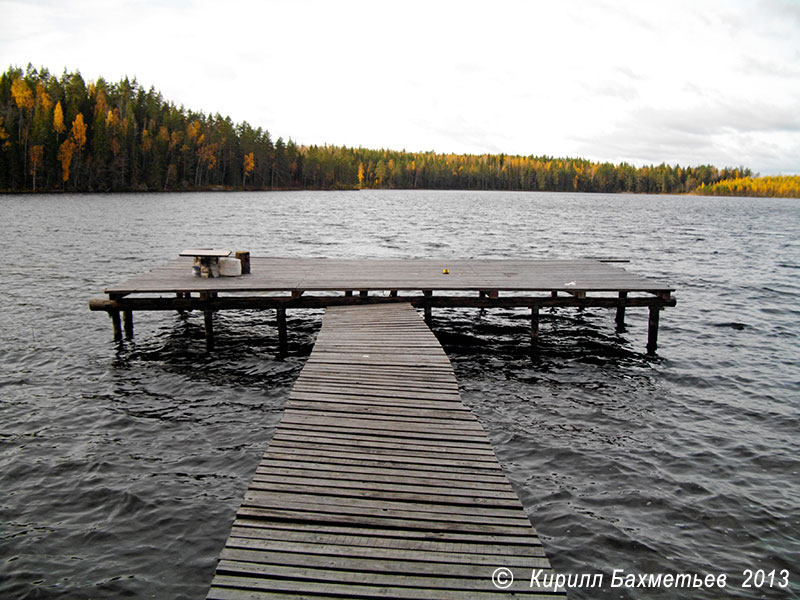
[116, 324]
[180, 296]
[652, 330]
[208, 321]
[620, 318]
[127, 321]
[481, 296]
[427, 308]
[534, 325]
[283, 343]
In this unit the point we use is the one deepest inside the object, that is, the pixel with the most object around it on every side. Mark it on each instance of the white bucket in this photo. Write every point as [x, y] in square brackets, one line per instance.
[230, 267]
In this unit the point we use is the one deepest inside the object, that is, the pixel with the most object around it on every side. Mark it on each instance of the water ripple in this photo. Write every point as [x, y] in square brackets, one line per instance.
[111, 455]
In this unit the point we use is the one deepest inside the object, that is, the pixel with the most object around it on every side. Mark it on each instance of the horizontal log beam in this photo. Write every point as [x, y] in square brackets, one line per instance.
[273, 302]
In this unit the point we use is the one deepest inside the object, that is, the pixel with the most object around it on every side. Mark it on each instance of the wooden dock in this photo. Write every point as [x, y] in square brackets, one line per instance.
[378, 482]
[288, 283]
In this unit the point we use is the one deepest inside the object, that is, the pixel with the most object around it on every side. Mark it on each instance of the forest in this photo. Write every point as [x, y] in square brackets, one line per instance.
[60, 133]
[784, 186]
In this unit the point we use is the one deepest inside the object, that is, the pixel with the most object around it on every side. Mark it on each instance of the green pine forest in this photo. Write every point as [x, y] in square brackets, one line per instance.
[64, 134]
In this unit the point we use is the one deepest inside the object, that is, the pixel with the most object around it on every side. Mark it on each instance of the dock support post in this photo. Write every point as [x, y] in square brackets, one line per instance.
[208, 320]
[579, 295]
[534, 326]
[348, 293]
[116, 324]
[621, 313]
[427, 294]
[181, 295]
[652, 330]
[127, 321]
[283, 344]
[363, 293]
[393, 293]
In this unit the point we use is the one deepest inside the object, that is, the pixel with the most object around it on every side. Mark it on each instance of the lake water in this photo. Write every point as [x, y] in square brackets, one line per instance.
[121, 467]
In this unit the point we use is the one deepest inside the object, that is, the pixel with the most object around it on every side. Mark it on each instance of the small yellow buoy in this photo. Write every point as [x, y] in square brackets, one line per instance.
[445, 271]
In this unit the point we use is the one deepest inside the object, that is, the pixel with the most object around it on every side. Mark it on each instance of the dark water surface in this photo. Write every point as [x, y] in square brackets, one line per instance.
[121, 467]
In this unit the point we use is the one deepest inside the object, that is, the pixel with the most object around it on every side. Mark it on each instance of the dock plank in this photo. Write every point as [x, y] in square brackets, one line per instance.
[378, 482]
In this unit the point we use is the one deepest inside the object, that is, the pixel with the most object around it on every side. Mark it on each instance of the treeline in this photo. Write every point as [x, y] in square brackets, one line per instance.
[61, 133]
[429, 170]
[782, 186]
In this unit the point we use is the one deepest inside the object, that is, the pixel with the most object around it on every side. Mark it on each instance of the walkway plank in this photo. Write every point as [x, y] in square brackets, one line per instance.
[379, 482]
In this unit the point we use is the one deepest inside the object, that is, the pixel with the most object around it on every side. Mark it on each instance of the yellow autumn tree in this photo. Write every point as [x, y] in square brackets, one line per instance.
[22, 93]
[65, 152]
[79, 132]
[42, 97]
[58, 119]
[193, 130]
[112, 118]
[207, 153]
[249, 165]
[78, 139]
[23, 97]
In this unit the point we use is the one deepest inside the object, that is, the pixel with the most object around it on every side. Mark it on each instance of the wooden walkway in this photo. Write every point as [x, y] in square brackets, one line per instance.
[379, 482]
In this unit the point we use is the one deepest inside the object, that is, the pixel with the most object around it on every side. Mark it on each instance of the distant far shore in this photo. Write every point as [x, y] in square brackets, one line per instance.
[60, 134]
[759, 187]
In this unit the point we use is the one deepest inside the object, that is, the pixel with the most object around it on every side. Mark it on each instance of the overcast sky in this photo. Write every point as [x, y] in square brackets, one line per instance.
[688, 82]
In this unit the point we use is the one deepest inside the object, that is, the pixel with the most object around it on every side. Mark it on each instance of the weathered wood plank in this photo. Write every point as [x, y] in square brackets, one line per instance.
[312, 466]
[531, 558]
[364, 564]
[367, 538]
[474, 447]
[270, 577]
[383, 521]
[528, 538]
[300, 481]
